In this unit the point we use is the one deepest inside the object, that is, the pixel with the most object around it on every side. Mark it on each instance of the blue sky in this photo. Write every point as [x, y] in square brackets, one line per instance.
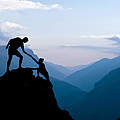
[82, 31]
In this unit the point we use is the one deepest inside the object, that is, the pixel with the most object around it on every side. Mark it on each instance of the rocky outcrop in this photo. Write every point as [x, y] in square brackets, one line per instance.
[21, 88]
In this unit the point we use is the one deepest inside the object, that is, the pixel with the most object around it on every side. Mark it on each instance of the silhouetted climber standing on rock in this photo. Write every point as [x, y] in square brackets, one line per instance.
[41, 68]
[12, 47]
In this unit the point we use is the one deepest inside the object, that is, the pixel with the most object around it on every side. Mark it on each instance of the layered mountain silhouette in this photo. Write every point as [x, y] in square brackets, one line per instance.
[66, 94]
[64, 70]
[67, 70]
[86, 78]
[77, 68]
[36, 94]
[102, 103]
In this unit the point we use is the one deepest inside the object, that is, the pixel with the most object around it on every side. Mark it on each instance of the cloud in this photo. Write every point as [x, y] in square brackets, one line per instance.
[99, 36]
[116, 39]
[113, 50]
[26, 4]
[10, 29]
[86, 47]
[2, 36]
[99, 45]
[113, 37]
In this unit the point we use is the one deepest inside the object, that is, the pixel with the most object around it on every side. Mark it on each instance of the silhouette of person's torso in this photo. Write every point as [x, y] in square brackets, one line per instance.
[43, 70]
[42, 67]
[15, 43]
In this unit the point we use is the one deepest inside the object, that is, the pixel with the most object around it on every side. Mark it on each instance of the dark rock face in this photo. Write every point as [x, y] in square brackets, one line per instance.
[35, 96]
[103, 103]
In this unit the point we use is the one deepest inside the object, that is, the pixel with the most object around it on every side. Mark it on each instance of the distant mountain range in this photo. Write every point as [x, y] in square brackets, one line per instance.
[66, 94]
[102, 103]
[77, 68]
[86, 78]
[67, 70]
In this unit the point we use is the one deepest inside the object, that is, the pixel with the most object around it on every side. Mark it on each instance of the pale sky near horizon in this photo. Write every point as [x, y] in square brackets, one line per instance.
[65, 32]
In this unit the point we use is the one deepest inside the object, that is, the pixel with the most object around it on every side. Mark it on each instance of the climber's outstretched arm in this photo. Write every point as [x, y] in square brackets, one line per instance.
[34, 59]
[28, 54]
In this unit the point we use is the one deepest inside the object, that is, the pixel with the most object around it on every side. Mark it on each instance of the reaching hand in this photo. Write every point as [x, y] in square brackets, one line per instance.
[31, 57]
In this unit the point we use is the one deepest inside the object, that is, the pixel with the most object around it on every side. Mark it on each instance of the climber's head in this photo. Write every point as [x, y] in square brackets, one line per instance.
[41, 60]
[25, 39]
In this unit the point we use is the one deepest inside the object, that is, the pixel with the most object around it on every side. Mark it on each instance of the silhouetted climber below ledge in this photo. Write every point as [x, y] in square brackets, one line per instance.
[42, 68]
[35, 94]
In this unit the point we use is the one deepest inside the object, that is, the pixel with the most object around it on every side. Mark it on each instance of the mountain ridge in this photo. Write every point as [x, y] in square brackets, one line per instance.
[87, 77]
